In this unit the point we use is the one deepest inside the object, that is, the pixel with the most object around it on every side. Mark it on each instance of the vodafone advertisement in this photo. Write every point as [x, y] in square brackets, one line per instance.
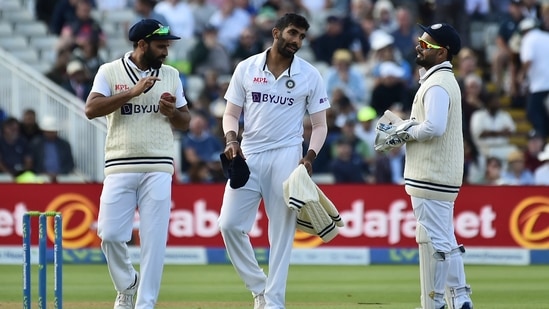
[374, 216]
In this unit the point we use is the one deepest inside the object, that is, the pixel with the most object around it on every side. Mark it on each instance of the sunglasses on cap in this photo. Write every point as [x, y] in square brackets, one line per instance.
[426, 45]
[164, 30]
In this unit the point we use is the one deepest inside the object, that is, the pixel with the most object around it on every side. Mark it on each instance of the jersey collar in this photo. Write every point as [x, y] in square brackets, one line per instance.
[135, 73]
[295, 65]
[130, 63]
[424, 74]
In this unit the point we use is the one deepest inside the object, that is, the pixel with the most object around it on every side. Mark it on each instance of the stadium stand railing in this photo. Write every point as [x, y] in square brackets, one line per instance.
[22, 87]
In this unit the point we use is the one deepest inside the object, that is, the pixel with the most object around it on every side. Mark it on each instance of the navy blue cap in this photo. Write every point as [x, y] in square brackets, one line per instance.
[145, 30]
[236, 170]
[444, 35]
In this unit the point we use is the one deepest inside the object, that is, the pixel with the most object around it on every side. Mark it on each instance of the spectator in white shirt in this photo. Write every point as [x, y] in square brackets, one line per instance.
[179, 16]
[231, 21]
[341, 74]
[491, 128]
[533, 56]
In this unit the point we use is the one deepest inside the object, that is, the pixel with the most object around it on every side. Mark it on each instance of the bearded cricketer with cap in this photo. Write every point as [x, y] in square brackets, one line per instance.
[142, 100]
[434, 168]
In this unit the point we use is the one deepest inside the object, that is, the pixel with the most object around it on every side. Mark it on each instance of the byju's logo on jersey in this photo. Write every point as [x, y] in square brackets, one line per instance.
[129, 109]
[258, 97]
[126, 109]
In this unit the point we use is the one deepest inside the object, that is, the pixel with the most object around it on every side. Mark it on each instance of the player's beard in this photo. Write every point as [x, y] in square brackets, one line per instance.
[281, 48]
[423, 61]
[152, 60]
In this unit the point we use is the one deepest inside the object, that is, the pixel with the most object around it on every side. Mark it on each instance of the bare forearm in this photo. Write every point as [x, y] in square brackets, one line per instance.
[181, 118]
[319, 131]
[231, 118]
[98, 105]
[231, 136]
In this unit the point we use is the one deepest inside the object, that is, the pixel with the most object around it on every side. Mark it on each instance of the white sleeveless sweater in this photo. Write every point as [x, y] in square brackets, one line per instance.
[434, 168]
[139, 137]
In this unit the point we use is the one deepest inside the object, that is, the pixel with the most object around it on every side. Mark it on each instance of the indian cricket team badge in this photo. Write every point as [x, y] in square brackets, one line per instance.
[290, 84]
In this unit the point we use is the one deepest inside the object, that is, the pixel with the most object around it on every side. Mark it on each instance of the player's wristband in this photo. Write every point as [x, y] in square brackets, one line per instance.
[231, 142]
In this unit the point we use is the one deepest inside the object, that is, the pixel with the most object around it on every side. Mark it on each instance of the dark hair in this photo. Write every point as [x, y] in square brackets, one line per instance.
[495, 160]
[9, 121]
[29, 111]
[491, 98]
[149, 3]
[292, 19]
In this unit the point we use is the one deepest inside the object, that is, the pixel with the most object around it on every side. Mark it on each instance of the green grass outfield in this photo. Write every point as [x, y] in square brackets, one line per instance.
[319, 287]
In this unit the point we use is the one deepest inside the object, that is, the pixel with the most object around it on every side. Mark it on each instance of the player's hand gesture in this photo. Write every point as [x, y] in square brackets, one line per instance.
[144, 84]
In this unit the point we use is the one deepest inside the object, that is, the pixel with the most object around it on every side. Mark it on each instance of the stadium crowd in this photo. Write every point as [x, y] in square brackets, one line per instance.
[365, 50]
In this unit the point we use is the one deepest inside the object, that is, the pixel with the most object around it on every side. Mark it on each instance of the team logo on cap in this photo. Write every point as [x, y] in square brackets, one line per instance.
[436, 26]
[290, 84]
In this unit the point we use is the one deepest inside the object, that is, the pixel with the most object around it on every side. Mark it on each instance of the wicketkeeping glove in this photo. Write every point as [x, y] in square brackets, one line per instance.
[383, 133]
[391, 136]
[402, 129]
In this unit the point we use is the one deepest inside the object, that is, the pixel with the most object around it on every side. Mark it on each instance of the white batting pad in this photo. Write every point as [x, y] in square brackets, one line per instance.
[432, 271]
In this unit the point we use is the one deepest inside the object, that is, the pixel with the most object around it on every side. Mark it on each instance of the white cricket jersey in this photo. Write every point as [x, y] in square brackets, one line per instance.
[139, 138]
[274, 108]
[101, 85]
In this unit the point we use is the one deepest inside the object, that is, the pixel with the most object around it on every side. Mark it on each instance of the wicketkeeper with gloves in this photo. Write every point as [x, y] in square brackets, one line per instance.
[434, 167]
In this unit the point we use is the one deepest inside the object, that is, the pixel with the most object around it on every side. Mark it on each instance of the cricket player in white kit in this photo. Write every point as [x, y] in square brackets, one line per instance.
[433, 172]
[274, 89]
[139, 153]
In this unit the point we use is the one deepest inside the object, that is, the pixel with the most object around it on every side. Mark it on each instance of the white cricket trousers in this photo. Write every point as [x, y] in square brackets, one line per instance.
[150, 193]
[438, 218]
[268, 170]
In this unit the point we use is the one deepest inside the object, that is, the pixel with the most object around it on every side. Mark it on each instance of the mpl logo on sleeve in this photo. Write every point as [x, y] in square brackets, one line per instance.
[529, 222]
[121, 87]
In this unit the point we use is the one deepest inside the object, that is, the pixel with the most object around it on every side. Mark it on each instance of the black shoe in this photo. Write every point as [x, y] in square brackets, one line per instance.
[467, 305]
